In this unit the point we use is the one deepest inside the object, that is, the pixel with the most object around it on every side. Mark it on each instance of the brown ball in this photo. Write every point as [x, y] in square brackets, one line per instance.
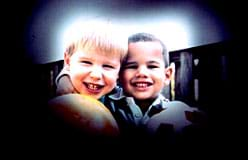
[85, 113]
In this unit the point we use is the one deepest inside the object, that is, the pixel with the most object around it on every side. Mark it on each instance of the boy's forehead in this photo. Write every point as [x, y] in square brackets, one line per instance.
[100, 51]
[98, 54]
[153, 48]
[145, 45]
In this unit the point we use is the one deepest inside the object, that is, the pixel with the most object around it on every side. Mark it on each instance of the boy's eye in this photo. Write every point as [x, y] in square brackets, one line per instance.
[130, 66]
[153, 66]
[85, 62]
[108, 66]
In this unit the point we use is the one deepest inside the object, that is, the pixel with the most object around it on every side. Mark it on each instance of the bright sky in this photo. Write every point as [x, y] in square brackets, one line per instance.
[179, 26]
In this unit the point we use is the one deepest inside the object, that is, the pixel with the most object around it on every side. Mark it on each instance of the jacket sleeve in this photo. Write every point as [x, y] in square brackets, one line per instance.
[61, 74]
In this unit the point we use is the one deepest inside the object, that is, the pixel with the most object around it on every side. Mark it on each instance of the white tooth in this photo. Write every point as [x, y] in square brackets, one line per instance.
[141, 84]
[92, 86]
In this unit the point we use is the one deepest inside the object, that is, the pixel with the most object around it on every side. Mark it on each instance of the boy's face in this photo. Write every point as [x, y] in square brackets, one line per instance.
[144, 73]
[93, 73]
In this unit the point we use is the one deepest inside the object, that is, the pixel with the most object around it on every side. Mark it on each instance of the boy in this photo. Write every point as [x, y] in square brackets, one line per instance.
[92, 61]
[141, 106]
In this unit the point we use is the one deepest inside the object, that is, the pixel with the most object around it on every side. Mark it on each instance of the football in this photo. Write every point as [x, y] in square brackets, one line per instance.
[85, 113]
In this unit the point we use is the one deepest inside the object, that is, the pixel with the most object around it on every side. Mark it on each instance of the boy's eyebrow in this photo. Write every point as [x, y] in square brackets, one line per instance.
[130, 62]
[153, 62]
[84, 59]
[133, 62]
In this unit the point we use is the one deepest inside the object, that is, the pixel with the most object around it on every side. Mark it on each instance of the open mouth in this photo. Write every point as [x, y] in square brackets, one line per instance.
[142, 84]
[95, 88]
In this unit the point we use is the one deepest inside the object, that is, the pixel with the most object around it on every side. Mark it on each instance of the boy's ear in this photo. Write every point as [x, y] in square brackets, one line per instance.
[168, 74]
[66, 61]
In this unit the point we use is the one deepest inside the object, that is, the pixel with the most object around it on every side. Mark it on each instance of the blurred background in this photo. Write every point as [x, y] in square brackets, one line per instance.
[205, 39]
[180, 24]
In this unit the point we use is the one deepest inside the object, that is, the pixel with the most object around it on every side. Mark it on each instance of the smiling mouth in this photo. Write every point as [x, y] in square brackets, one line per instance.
[142, 84]
[95, 88]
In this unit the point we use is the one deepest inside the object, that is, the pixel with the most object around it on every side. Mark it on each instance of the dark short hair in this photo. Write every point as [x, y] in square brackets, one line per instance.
[147, 37]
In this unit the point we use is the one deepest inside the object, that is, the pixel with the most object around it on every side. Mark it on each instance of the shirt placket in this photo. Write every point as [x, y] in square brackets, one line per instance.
[136, 111]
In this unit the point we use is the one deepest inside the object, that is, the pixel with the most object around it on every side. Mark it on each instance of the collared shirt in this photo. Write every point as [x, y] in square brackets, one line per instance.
[161, 115]
[131, 112]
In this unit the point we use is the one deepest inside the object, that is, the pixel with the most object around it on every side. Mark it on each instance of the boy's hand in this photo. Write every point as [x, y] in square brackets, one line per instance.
[64, 86]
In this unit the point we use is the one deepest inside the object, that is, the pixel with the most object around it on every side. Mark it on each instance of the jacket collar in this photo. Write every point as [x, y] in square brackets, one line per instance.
[158, 103]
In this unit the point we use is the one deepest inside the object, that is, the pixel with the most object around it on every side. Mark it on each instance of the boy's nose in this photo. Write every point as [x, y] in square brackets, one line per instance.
[96, 73]
[142, 72]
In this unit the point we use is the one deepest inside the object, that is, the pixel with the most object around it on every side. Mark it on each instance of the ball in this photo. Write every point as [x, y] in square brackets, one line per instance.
[85, 113]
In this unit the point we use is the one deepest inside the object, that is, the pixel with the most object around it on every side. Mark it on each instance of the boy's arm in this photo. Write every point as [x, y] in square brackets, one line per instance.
[63, 83]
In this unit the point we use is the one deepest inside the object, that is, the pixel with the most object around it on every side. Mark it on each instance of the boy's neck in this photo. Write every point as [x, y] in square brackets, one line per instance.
[144, 104]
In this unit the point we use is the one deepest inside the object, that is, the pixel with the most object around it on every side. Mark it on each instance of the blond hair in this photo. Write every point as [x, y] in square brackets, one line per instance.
[101, 36]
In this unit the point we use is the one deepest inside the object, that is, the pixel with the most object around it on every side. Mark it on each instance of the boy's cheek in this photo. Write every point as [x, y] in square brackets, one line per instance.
[112, 75]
